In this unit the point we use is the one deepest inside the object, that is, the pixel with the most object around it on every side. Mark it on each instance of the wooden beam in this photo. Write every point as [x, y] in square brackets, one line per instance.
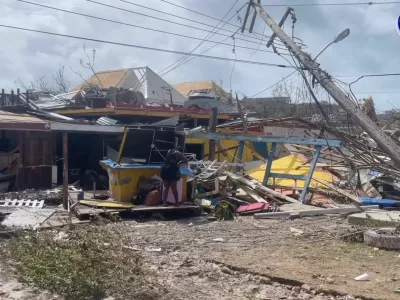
[351, 197]
[260, 187]
[65, 171]
[212, 129]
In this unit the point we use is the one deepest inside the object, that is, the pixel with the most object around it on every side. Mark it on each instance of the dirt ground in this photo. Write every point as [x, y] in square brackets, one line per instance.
[257, 259]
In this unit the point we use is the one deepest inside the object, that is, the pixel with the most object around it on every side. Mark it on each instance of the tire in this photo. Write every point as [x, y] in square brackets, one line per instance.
[384, 238]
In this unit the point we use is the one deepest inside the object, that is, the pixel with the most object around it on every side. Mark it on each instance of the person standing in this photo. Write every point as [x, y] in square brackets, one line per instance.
[171, 174]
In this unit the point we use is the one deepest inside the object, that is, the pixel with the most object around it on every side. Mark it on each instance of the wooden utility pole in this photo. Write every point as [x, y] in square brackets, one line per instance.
[65, 170]
[212, 129]
[386, 143]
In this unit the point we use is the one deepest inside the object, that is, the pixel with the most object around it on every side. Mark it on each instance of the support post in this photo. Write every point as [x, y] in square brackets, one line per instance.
[194, 122]
[18, 96]
[385, 142]
[240, 154]
[12, 97]
[213, 129]
[3, 98]
[65, 171]
[269, 164]
[253, 20]
[303, 196]
[246, 16]
[281, 22]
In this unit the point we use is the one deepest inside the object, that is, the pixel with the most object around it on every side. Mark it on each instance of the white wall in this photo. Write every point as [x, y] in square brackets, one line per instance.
[156, 93]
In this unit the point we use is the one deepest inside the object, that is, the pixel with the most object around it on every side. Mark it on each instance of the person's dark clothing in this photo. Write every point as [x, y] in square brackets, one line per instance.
[170, 170]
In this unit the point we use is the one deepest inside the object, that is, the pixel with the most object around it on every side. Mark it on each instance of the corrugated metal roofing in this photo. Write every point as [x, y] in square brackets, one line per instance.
[207, 103]
[106, 121]
[170, 122]
[113, 155]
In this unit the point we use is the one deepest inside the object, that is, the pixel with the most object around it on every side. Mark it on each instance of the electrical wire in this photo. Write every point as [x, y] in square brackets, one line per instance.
[163, 74]
[234, 64]
[136, 26]
[210, 17]
[145, 47]
[181, 61]
[370, 3]
[180, 17]
[262, 39]
[271, 86]
[168, 21]
[371, 75]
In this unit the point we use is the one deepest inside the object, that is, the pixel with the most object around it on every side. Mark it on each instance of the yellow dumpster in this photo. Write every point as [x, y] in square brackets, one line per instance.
[124, 178]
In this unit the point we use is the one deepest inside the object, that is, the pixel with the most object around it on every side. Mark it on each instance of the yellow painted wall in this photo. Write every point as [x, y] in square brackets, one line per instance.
[124, 182]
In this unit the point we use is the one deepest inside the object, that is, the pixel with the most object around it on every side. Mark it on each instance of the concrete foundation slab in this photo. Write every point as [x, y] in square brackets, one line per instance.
[376, 218]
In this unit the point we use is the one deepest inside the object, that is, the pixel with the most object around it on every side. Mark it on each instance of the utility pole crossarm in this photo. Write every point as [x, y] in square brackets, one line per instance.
[386, 143]
[281, 22]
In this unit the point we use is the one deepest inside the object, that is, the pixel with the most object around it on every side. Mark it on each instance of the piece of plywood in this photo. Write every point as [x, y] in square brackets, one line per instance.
[109, 204]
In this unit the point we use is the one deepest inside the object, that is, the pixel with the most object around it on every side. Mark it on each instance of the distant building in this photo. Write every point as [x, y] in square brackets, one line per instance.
[268, 106]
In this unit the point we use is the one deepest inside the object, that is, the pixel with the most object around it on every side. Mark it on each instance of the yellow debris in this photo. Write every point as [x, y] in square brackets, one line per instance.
[293, 165]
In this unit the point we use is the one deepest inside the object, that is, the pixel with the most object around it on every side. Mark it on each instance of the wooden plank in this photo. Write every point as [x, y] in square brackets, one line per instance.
[212, 129]
[260, 187]
[351, 197]
[252, 194]
[65, 170]
[316, 212]
[28, 202]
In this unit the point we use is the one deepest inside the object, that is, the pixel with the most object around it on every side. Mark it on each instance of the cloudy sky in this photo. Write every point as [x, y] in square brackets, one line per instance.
[372, 47]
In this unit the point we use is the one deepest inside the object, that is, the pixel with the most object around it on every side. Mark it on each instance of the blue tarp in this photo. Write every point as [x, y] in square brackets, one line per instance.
[380, 202]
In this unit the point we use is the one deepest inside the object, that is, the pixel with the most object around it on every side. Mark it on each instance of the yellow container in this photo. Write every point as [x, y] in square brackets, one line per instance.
[123, 179]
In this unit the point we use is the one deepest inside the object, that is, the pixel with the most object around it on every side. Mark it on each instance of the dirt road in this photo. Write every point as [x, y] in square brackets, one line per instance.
[260, 259]
[252, 259]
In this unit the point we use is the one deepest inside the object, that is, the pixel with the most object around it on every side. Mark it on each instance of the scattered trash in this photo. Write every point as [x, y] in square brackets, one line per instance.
[131, 248]
[363, 277]
[296, 232]
[220, 240]
[153, 249]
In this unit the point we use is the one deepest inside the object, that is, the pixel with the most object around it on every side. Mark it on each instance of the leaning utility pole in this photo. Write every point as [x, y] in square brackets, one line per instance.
[386, 143]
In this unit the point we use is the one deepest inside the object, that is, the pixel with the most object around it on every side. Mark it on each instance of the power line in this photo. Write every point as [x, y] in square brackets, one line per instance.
[204, 15]
[370, 3]
[179, 17]
[132, 25]
[195, 57]
[371, 75]
[146, 48]
[169, 21]
[181, 61]
[271, 86]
